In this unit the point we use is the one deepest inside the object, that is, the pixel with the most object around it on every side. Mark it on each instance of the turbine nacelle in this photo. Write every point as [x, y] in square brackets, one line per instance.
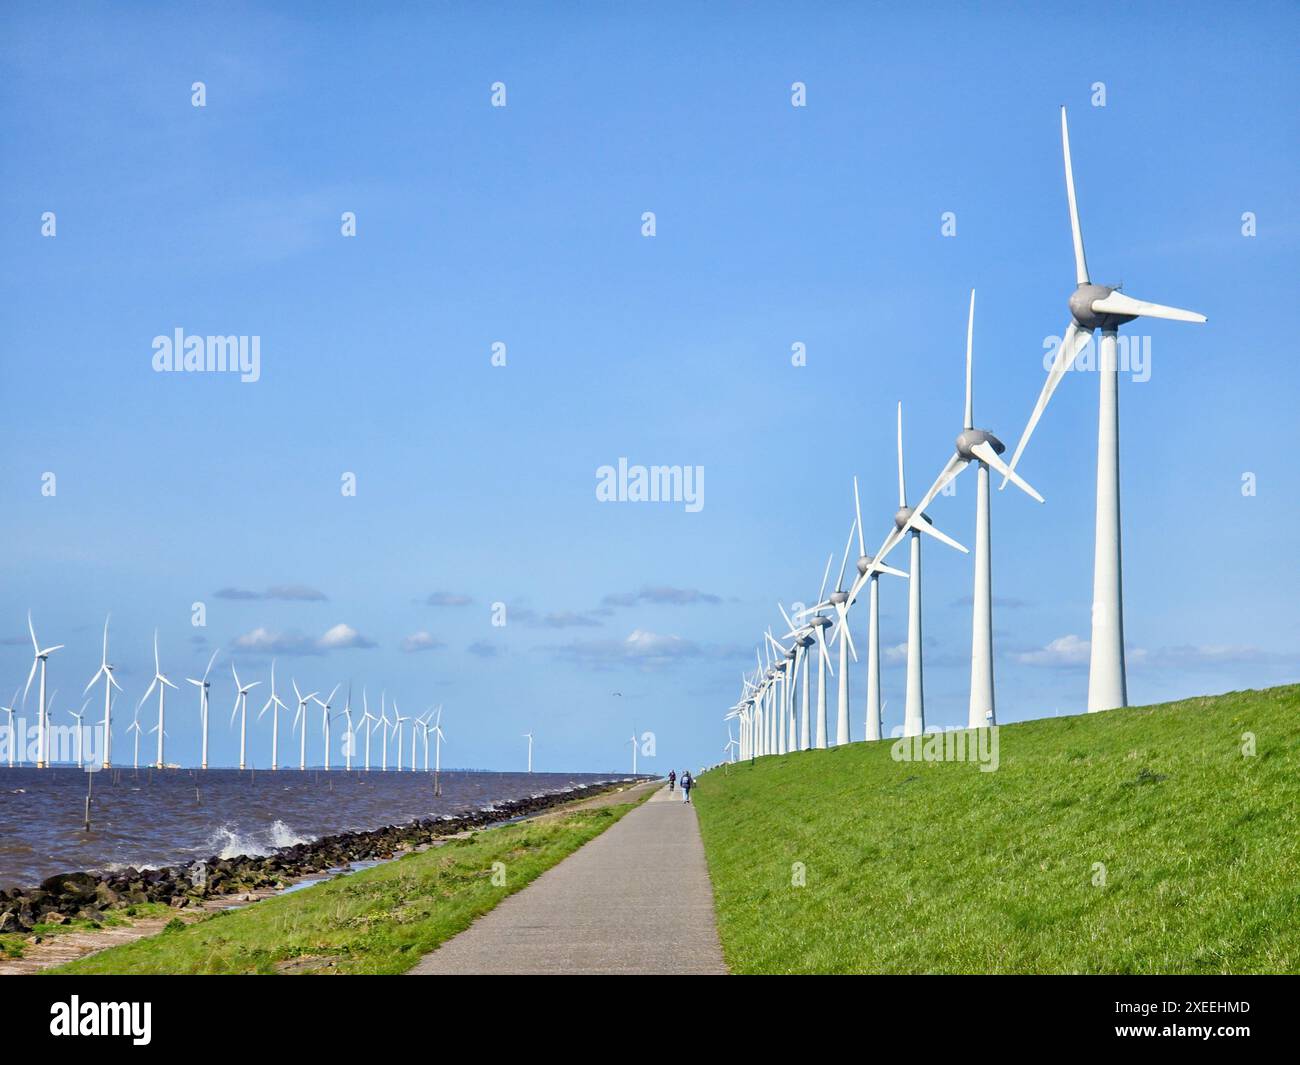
[1085, 313]
[969, 439]
[819, 621]
[838, 597]
[904, 515]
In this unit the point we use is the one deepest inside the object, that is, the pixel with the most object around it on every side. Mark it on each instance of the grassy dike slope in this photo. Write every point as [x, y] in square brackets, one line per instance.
[379, 920]
[938, 867]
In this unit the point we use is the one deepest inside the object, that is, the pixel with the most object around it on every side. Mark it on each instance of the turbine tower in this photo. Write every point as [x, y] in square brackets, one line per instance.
[1094, 307]
[816, 627]
[241, 708]
[368, 729]
[39, 658]
[913, 520]
[110, 682]
[162, 684]
[300, 718]
[325, 722]
[203, 686]
[275, 704]
[983, 448]
[13, 736]
[529, 736]
[869, 571]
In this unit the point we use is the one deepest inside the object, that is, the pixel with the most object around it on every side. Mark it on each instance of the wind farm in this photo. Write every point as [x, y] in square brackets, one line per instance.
[674, 416]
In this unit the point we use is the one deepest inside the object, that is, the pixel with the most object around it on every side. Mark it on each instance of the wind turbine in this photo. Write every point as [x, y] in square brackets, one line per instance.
[367, 729]
[398, 719]
[241, 708]
[438, 737]
[325, 722]
[39, 658]
[203, 686]
[162, 684]
[78, 717]
[275, 704]
[983, 448]
[135, 727]
[418, 726]
[382, 722]
[802, 641]
[816, 626]
[110, 682]
[301, 718]
[840, 600]
[13, 736]
[633, 742]
[732, 745]
[869, 571]
[529, 737]
[351, 738]
[913, 520]
[1101, 307]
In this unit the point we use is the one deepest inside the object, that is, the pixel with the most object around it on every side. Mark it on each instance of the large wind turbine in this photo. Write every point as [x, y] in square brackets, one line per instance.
[1094, 307]
[325, 722]
[241, 708]
[869, 571]
[80, 719]
[632, 741]
[275, 704]
[38, 659]
[529, 736]
[13, 736]
[162, 684]
[301, 718]
[135, 727]
[110, 682]
[816, 626]
[913, 520]
[368, 729]
[981, 447]
[351, 737]
[840, 600]
[437, 744]
[802, 641]
[399, 719]
[203, 686]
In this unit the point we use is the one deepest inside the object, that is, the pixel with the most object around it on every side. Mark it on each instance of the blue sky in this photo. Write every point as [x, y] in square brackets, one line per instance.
[522, 224]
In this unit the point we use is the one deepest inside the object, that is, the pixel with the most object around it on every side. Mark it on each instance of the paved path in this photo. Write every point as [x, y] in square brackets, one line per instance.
[636, 899]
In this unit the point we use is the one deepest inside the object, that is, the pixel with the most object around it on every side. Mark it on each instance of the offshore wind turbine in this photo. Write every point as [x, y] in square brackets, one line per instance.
[438, 737]
[110, 682]
[162, 684]
[983, 448]
[632, 741]
[241, 708]
[1094, 307]
[351, 737]
[382, 724]
[135, 727]
[529, 736]
[203, 686]
[39, 658]
[275, 704]
[79, 718]
[418, 726]
[368, 729]
[915, 521]
[300, 718]
[398, 720]
[13, 736]
[325, 722]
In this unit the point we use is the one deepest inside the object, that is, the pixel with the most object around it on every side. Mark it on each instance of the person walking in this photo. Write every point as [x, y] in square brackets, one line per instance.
[687, 783]
[672, 779]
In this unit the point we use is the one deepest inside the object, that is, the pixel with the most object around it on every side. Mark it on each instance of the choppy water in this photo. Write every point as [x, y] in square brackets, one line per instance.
[150, 818]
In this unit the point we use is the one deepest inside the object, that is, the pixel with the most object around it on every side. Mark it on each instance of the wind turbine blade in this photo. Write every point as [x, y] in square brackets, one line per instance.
[848, 546]
[786, 616]
[857, 510]
[826, 574]
[994, 461]
[30, 628]
[970, 343]
[950, 470]
[92, 680]
[1080, 262]
[157, 666]
[113, 681]
[902, 485]
[1064, 359]
[1118, 303]
[821, 646]
[56, 647]
[152, 684]
[105, 658]
[926, 527]
[210, 661]
[845, 630]
[882, 568]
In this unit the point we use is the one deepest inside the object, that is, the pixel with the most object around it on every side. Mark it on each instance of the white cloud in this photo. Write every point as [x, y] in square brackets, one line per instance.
[1067, 651]
[262, 640]
[421, 641]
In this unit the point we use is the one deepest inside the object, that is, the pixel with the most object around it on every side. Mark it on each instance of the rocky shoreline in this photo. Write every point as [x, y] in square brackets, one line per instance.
[87, 896]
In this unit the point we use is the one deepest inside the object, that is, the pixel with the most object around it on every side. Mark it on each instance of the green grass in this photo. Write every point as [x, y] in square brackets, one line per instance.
[15, 944]
[380, 920]
[938, 867]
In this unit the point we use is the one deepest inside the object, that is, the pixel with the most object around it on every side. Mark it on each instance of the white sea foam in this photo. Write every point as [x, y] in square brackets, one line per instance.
[229, 842]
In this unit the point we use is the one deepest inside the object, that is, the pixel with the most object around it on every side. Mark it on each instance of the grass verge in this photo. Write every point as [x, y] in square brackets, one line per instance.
[379, 920]
[1144, 840]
